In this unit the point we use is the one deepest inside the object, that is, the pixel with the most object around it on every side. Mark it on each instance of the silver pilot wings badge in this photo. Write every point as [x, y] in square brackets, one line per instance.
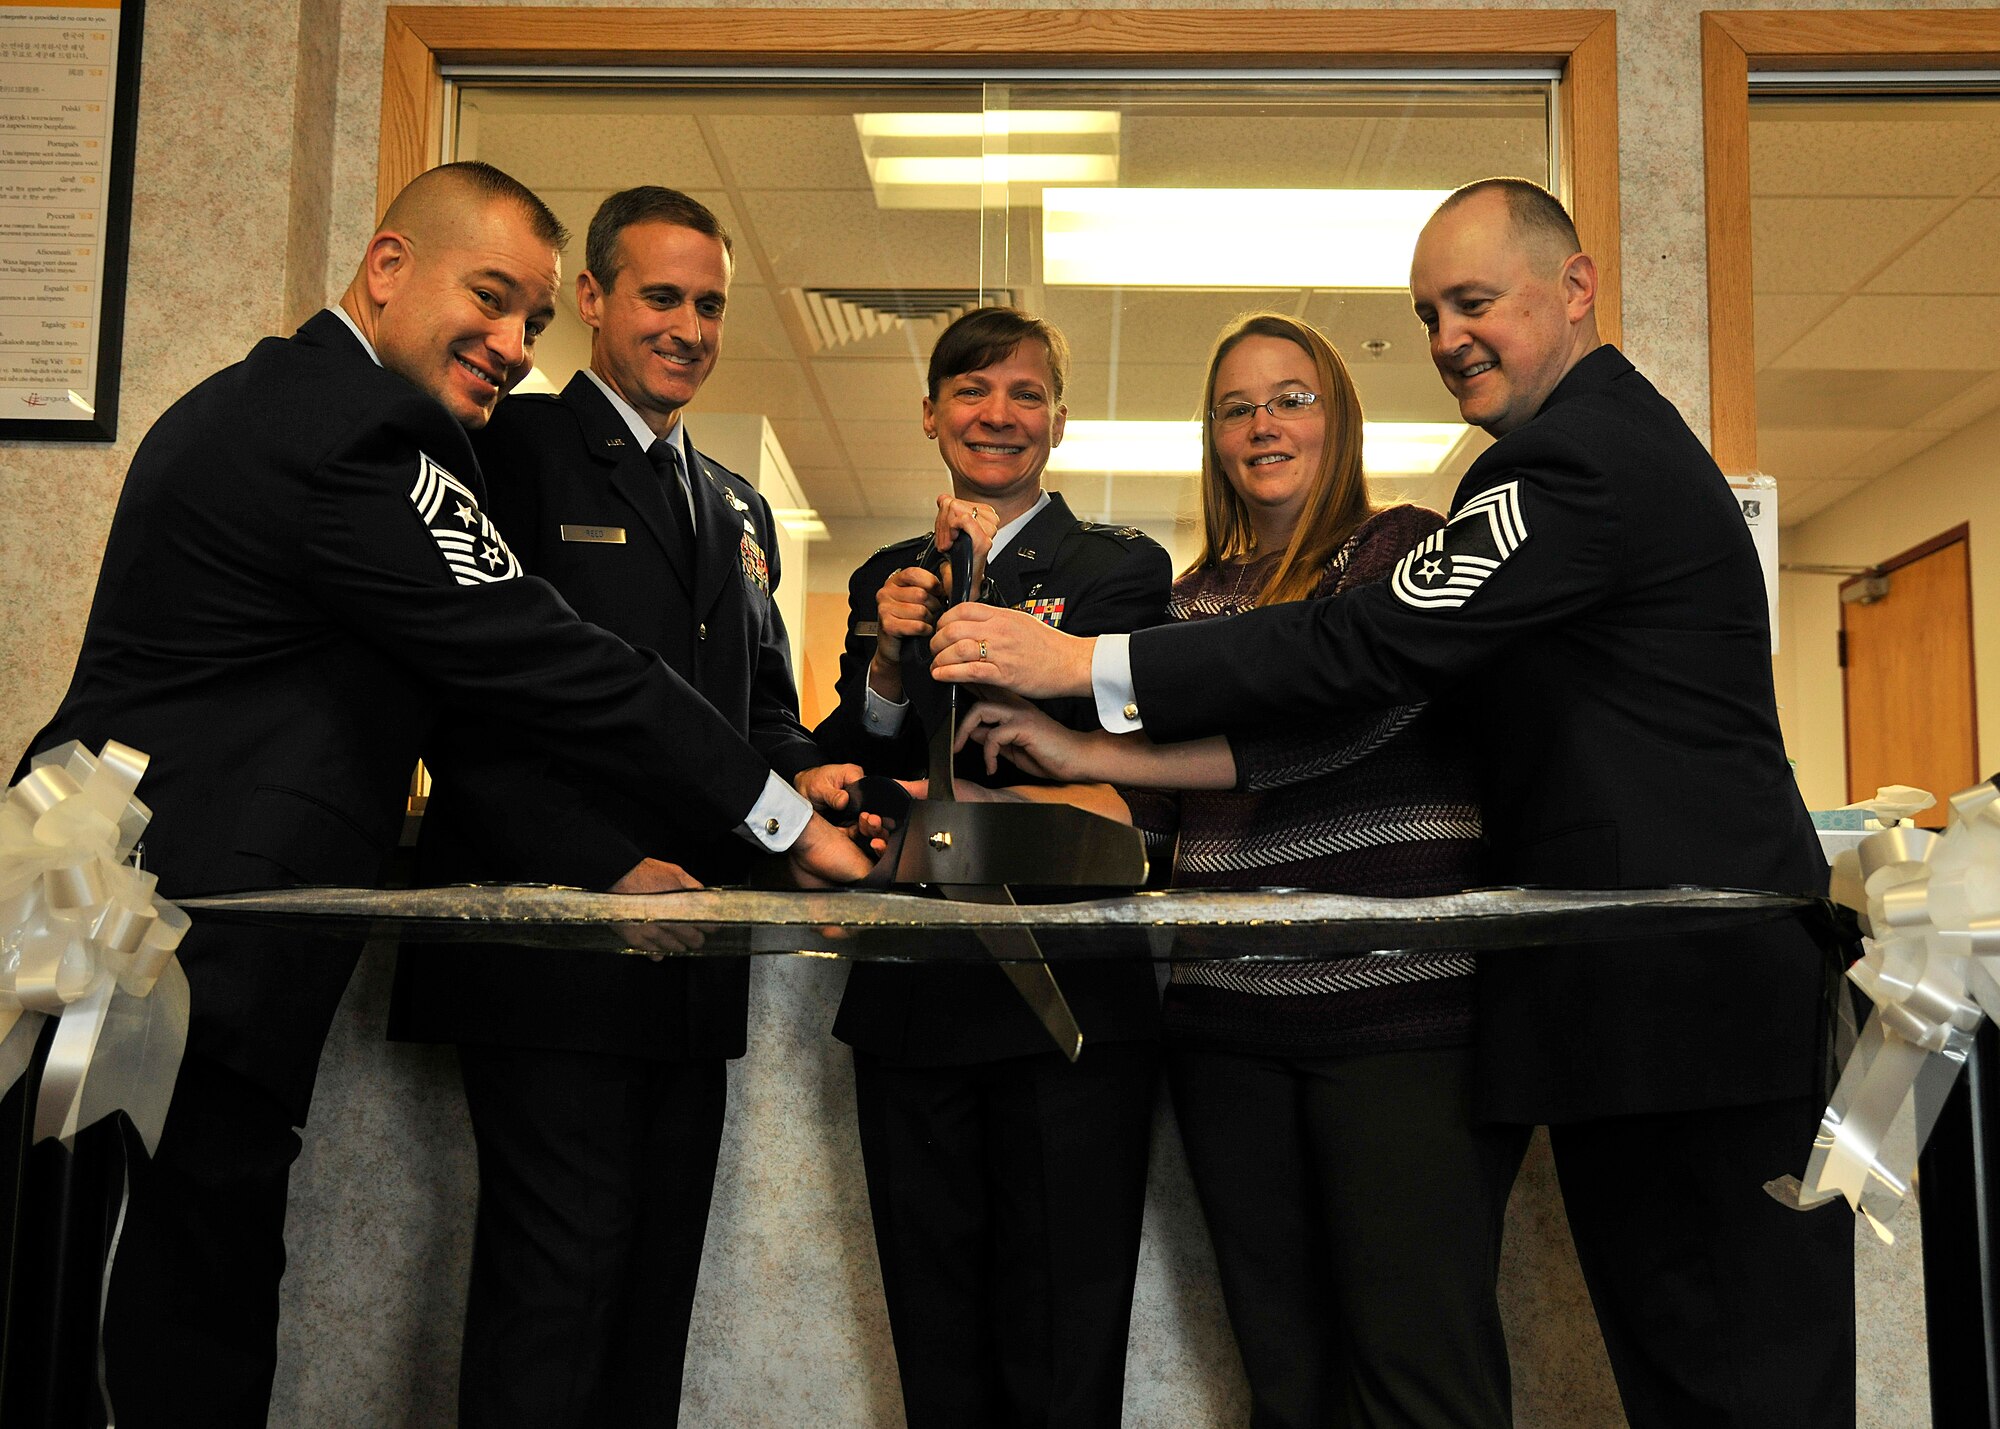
[470, 544]
[1455, 560]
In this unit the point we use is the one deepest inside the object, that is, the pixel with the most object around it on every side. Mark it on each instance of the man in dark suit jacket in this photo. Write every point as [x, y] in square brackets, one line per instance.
[299, 579]
[1597, 604]
[599, 1115]
[1006, 1185]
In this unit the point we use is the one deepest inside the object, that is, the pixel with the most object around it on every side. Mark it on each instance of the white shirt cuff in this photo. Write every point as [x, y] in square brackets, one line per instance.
[778, 817]
[1111, 684]
[881, 715]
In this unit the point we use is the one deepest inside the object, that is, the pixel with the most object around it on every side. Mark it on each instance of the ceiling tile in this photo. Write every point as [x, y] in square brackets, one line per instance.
[1854, 398]
[1800, 500]
[889, 445]
[1958, 256]
[1782, 319]
[597, 150]
[904, 496]
[1828, 245]
[1121, 500]
[752, 329]
[791, 151]
[884, 390]
[1967, 407]
[1885, 148]
[832, 492]
[809, 444]
[776, 389]
[1813, 453]
[841, 240]
[1927, 334]
[1144, 391]
[1885, 456]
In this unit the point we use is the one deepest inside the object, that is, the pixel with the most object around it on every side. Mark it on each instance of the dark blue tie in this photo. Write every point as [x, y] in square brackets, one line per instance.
[666, 461]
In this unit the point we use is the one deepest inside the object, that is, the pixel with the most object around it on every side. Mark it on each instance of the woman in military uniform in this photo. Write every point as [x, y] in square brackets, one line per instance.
[1006, 1184]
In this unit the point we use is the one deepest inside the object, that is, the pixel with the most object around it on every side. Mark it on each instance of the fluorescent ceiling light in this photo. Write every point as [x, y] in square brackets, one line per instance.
[1159, 448]
[1233, 238]
[973, 170]
[995, 121]
[963, 161]
[1174, 448]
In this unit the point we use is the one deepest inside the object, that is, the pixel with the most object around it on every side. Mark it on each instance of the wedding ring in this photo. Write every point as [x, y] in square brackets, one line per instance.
[982, 651]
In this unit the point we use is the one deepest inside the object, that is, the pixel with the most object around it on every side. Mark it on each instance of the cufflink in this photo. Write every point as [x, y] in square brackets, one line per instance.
[771, 826]
[1131, 711]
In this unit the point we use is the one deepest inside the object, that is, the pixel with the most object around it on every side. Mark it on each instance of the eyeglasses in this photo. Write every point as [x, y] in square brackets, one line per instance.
[1285, 407]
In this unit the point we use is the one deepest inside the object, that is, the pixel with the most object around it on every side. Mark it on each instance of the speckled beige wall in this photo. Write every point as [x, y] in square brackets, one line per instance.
[256, 170]
[210, 227]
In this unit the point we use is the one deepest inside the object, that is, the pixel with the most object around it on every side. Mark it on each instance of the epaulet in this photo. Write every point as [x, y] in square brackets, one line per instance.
[914, 543]
[527, 406]
[1127, 534]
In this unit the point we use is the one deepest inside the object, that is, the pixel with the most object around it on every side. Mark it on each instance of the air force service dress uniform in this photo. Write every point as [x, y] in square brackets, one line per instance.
[1596, 604]
[1006, 1185]
[598, 1101]
[299, 579]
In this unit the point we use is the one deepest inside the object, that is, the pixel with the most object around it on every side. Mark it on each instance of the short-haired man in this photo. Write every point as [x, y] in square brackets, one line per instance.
[599, 1114]
[299, 577]
[1597, 592]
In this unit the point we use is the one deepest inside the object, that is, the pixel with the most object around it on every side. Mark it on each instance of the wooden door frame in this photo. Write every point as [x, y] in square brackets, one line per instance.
[1581, 43]
[1733, 44]
[1962, 532]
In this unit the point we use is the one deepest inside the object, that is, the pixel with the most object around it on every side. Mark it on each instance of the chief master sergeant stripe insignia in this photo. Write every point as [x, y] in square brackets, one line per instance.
[470, 544]
[1455, 560]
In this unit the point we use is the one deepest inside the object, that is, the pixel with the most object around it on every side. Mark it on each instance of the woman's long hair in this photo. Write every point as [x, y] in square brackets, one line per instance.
[1337, 502]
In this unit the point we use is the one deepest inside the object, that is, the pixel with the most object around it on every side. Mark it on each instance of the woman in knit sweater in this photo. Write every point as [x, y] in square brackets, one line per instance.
[1325, 1105]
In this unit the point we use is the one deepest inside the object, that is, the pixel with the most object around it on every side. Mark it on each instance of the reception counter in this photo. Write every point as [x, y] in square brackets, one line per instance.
[789, 1328]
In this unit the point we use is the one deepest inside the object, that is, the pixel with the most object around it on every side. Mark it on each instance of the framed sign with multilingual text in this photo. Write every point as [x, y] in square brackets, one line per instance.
[69, 112]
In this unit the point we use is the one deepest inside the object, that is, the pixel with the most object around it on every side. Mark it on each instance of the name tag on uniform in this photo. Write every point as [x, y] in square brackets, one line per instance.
[869, 628]
[605, 535]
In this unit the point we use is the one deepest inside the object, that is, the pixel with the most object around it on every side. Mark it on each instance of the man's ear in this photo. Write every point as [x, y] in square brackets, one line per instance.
[1056, 426]
[589, 299]
[1579, 286]
[385, 265]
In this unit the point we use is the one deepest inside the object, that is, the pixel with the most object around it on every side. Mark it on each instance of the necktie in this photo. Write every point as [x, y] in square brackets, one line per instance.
[674, 487]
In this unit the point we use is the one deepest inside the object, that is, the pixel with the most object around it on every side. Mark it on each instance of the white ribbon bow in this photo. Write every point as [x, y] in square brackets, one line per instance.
[83, 940]
[1930, 913]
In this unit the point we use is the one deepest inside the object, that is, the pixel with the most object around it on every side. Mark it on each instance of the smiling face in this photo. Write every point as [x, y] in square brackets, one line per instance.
[1270, 462]
[1508, 316]
[462, 304]
[657, 327]
[996, 426]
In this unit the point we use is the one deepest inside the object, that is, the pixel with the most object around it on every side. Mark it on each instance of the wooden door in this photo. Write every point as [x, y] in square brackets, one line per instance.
[1907, 663]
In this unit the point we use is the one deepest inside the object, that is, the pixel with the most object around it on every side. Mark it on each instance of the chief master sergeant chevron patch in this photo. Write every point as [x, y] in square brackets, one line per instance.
[470, 544]
[1455, 560]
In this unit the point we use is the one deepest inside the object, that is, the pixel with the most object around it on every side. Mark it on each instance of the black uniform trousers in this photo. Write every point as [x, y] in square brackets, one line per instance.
[1356, 1214]
[1007, 1198]
[1719, 1307]
[595, 1177]
[191, 1317]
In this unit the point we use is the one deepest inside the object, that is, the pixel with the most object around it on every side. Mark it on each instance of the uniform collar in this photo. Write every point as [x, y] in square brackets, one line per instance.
[1593, 372]
[1013, 528]
[1033, 547]
[644, 435]
[355, 328]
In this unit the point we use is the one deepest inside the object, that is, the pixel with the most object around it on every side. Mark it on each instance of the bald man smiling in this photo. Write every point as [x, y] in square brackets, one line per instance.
[299, 578]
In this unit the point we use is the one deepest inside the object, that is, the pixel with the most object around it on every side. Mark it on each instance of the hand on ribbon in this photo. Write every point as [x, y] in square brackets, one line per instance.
[84, 940]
